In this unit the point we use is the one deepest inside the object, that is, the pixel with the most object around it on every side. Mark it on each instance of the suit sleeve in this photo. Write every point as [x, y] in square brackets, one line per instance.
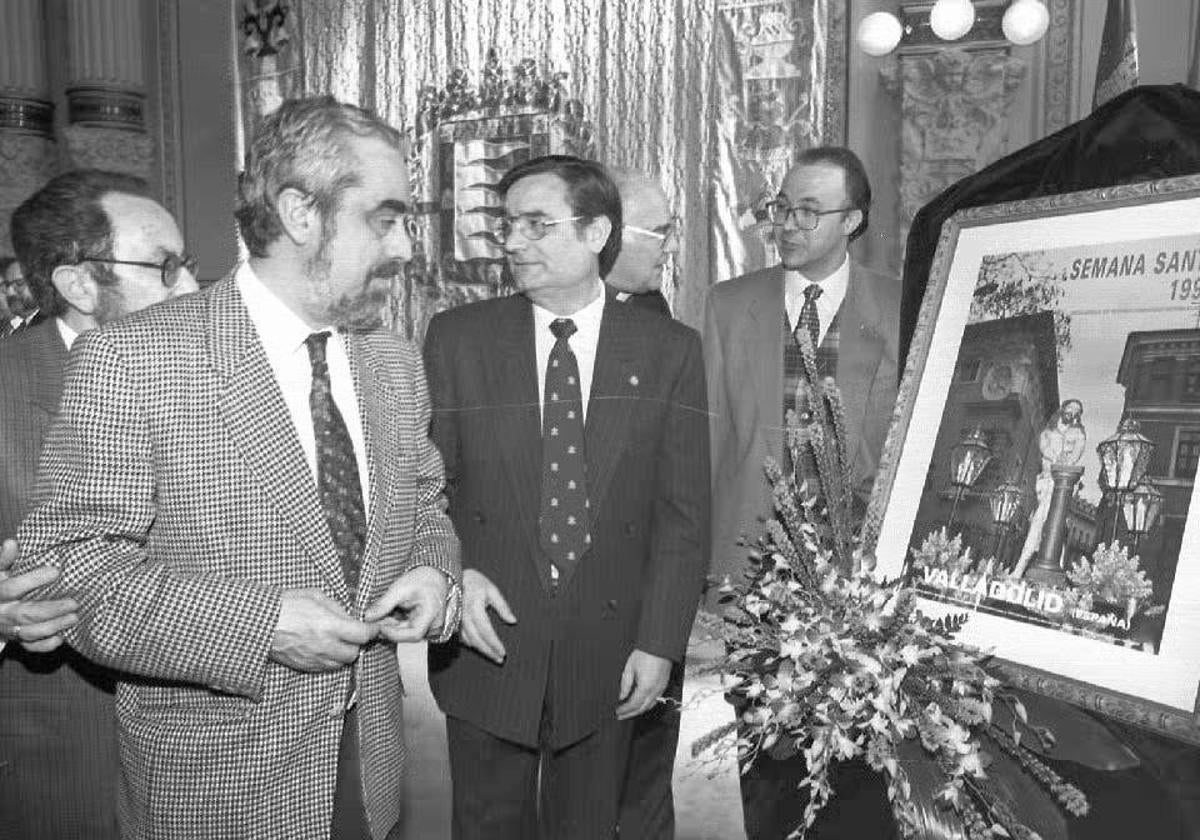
[719, 410]
[92, 519]
[435, 543]
[679, 544]
[443, 427]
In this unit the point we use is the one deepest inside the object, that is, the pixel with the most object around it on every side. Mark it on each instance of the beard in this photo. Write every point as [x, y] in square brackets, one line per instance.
[360, 310]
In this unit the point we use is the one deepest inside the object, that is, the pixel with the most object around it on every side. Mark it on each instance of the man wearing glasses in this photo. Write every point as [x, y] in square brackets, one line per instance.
[649, 236]
[96, 247]
[574, 431]
[248, 508]
[754, 326]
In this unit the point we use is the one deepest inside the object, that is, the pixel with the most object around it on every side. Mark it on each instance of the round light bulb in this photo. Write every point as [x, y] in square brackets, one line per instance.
[1025, 22]
[951, 19]
[879, 33]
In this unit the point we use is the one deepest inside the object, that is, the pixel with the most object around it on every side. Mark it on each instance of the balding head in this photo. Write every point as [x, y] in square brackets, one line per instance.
[649, 234]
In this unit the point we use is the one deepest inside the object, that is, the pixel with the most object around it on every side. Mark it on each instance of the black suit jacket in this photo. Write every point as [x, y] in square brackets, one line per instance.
[646, 444]
[653, 301]
[58, 746]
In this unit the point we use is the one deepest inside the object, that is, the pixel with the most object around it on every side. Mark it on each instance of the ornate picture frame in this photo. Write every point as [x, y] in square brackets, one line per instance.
[1039, 474]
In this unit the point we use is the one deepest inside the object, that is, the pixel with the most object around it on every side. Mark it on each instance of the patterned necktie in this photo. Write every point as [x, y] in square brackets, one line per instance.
[337, 468]
[564, 513]
[808, 315]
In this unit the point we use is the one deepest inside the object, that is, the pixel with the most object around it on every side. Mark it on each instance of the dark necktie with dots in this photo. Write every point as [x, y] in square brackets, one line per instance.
[809, 319]
[564, 513]
[337, 468]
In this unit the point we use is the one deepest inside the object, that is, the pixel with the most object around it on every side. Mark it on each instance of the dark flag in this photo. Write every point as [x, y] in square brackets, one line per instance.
[1117, 69]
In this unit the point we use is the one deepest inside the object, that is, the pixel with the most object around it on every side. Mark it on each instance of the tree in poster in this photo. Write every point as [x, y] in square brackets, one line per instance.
[1021, 284]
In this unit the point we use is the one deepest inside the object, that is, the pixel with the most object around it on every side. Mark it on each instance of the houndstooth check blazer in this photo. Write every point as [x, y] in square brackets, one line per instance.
[174, 495]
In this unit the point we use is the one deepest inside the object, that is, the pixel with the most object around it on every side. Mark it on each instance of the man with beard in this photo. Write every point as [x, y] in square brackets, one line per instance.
[575, 435]
[97, 247]
[754, 326]
[19, 304]
[242, 497]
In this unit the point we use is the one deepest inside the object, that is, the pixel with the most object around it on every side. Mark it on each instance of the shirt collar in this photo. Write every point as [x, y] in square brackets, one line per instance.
[833, 286]
[587, 319]
[64, 330]
[281, 331]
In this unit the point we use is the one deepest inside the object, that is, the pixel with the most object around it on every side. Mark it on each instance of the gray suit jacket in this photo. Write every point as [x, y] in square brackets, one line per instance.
[58, 731]
[181, 506]
[743, 354]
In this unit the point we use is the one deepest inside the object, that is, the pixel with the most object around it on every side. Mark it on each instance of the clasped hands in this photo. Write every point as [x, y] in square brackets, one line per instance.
[314, 633]
[36, 625]
[643, 679]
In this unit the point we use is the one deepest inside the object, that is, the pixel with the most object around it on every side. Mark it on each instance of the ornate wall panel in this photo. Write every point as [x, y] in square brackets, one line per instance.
[643, 73]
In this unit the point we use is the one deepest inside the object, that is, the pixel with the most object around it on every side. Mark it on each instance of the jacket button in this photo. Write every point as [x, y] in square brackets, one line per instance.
[612, 603]
[479, 517]
[629, 529]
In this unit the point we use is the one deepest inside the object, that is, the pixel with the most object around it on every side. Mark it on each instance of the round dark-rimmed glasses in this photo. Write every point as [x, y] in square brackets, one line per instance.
[532, 228]
[805, 218]
[169, 269]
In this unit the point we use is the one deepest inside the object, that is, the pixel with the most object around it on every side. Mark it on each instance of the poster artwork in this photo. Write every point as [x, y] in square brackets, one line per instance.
[1063, 350]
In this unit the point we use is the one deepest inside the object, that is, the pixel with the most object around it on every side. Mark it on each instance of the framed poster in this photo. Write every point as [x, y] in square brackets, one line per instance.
[1040, 470]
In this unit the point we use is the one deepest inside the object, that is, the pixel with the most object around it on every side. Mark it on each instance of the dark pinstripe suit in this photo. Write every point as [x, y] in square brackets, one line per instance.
[637, 587]
[58, 745]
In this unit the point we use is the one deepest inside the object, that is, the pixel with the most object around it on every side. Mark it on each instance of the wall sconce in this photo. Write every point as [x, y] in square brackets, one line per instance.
[1024, 23]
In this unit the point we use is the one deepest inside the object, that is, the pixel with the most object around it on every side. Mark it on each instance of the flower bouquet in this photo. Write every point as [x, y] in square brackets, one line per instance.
[835, 664]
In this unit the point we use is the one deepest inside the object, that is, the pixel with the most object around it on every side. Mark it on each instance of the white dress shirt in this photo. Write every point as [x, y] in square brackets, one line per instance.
[282, 333]
[64, 330]
[833, 292]
[583, 343]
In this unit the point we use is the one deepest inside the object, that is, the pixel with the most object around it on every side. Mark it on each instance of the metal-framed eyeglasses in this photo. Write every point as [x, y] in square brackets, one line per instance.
[532, 228]
[662, 233]
[805, 218]
[169, 269]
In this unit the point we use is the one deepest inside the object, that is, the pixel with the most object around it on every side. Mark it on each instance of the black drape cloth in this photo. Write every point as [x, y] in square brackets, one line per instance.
[1146, 133]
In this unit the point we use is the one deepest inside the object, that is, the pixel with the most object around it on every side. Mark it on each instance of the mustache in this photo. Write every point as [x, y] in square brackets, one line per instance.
[386, 270]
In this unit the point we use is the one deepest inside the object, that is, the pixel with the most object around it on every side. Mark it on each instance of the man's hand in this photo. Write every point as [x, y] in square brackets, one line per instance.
[477, 631]
[315, 634]
[642, 682]
[420, 596]
[37, 625]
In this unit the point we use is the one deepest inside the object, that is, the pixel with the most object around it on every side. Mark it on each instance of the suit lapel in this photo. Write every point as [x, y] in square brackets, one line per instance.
[617, 380]
[261, 428]
[519, 428]
[861, 347]
[376, 399]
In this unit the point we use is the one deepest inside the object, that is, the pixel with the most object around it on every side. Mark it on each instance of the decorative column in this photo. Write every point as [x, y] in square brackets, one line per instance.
[1046, 568]
[106, 86]
[27, 150]
[954, 103]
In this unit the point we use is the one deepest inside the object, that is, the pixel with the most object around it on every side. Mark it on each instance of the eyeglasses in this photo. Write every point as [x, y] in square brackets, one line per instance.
[532, 228]
[662, 233]
[804, 218]
[169, 269]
